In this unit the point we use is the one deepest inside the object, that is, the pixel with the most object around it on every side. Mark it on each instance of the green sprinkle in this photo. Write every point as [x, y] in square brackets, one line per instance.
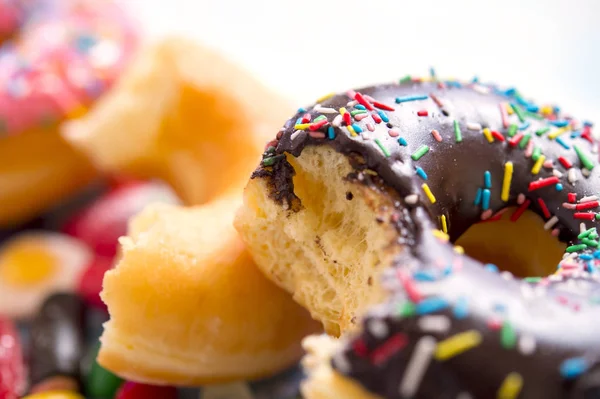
[586, 233]
[405, 79]
[593, 236]
[585, 160]
[576, 248]
[534, 115]
[270, 150]
[519, 112]
[590, 243]
[512, 130]
[319, 118]
[598, 216]
[457, 132]
[420, 152]
[270, 161]
[532, 279]
[407, 309]
[542, 131]
[383, 149]
[524, 141]
[537, 151]
[508, 336]
[356, 112]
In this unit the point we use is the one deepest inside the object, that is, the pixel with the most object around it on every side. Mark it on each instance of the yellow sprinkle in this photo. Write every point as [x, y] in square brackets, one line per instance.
[511, 386]
[459, 250]
[441, 235]
[538, 165]
[302, 126]
[351, 130]
[457, 344]
[509, 109]
[546, 110]
[508, 172]
[444, 224]
[428, 193]
[343, 110]
[558, 132]
[325, 97]
[488, 135]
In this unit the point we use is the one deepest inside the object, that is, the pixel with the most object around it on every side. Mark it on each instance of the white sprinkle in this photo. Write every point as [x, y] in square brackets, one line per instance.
[595, 148]
[378, 328]
[526, 291]
[411, 199]
[473, 126]
[520, 198]
[464, 395]
[296, 134]
[325, 110]
[341, 363]
[351, 103]
[481, 89]
[567, 205]
[434, 324]
[337, 121]
[557, 173]
[506, 275]
[417, 366]
[586, 172]
[366, 136]
[589, 198]
[571, 175]
[582, 227]
[527, 344]
[550, 223]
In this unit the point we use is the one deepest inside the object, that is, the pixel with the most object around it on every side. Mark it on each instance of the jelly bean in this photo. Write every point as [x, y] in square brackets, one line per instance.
[133, 390]
[55, 395]
[106, 219]
[12, 369]
[90, 284]
[101, 383]
[57, 338]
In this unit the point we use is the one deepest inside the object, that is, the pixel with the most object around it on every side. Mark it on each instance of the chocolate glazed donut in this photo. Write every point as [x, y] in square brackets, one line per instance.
[456, 154]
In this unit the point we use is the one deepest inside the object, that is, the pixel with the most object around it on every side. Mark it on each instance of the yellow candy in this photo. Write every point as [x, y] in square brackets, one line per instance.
[27, 263]
[55, 395]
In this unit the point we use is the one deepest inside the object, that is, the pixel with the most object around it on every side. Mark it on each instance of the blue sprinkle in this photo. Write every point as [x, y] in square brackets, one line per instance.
[301, 110]
[521, 101]
[556, 109]
[424, 275]
[475, 79]
[461, 308]
[383, 116]
[330, 133]
[421, 173]
[510, 92]
[485, 201]
[532, 108]
[590, 267]
[491, 268]
[357, 128]
[85, 42]
[432, 72]
[499, 307]
[410, 98]
[597, 254]
[576, 133]
[586, 257]
[559, 123]
[298, 121]
[478, 197]
[525, 125]
[573, 367]
[562, 143]
[360, 106]
[487, 179]
[559, 187]
[448, 270]
[588, 124]
[453, 83]
[431, 305]
[402, 141]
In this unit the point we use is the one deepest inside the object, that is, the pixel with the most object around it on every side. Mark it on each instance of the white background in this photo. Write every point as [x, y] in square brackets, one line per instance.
[548, 49]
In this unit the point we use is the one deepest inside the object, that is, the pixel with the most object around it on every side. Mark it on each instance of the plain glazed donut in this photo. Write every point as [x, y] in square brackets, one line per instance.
[355, 209]
[56, 58]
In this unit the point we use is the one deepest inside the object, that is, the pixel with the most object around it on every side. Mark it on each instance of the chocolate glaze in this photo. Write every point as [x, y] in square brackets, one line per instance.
[538, 338]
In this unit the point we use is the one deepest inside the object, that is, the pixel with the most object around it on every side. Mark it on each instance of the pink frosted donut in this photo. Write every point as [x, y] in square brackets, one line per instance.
[57, 57]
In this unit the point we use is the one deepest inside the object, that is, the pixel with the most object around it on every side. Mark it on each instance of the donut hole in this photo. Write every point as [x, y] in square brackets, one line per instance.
[522, 247]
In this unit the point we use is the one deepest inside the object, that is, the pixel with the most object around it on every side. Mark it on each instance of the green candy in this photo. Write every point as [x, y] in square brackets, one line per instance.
[101, 383]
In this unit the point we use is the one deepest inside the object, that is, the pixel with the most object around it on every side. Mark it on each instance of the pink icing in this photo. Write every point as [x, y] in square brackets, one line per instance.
[66, 54]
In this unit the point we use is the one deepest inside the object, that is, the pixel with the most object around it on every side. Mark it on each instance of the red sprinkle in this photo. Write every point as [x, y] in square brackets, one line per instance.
[534, 185]
[588, 137]
[497, 136]
[587, 205]
[347, 118]
[360, 348]
[410, 288]
[376, 117]
[522, 208]
[361, 100]
[318, 125]
[584, 215]
[572, 197]
[494, 324]
[422, 112]
[306, 118]
[515, 140]
[394, 344]
[564, 162]
[385, 107]
[544, 208]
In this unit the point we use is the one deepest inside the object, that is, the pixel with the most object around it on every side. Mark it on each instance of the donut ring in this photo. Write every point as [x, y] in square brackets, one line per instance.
[355, 208]
[56, 58]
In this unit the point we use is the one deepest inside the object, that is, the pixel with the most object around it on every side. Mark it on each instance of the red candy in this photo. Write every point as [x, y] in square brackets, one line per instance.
[133, 390]
[102, 223]
[12, 369]
[90, 284]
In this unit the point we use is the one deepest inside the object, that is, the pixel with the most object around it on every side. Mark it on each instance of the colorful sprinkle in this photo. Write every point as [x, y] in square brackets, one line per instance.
[402, 141]
[520, 210]
[511, 386]
[512, 130]
[422, 112]
[385, 151]
[488, 135]
[543, 207]
[393, 345]
[431, 305]
[543, 131]
[417, 366]
[487, 179]
[400, 100]
[573, 367]
[508, 336]
[457, 132]
[562, 143]
[428, 193]
[444, 224]
[436, 135]
[585, 160]
[535, 185]
[461, 308]
[421, 173]
[506, 183]
[478, 197]
[497, 135]
[418, 154]
[457, 344]
[485, 200]
[519, 112]
[538, 165]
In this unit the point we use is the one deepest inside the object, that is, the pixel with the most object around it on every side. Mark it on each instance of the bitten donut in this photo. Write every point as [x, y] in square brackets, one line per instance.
[357, 206]
[56, 58]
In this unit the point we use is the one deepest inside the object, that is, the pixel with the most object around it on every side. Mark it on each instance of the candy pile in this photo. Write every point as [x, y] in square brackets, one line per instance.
[51, 313]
